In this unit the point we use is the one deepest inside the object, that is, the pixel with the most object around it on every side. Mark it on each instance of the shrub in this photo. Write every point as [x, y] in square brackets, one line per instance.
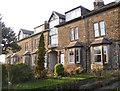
[43, 74]
[58, 70]
[19, 73]
[4, 75]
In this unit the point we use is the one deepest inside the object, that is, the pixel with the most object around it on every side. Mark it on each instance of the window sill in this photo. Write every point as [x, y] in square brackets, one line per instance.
[70, 62]
[74, 40]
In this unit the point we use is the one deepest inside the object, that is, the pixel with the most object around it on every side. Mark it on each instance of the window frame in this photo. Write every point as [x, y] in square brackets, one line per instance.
[74, 33]
[102, 54]
[100, 29]
[77, 55]
[74, 56]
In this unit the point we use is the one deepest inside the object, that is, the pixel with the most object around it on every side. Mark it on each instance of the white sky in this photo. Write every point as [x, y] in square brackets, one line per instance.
[28, 14]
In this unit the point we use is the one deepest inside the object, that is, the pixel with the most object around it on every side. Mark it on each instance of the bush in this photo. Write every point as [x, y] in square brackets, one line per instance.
[59, 70]
[4, 75]
[19, 73]
[43, 74]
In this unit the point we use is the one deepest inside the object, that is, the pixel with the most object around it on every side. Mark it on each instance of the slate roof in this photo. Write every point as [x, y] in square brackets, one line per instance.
[27, 31]
[74, 44]
[60, 15]
[93, 12]
[101, 41]
[27, 53]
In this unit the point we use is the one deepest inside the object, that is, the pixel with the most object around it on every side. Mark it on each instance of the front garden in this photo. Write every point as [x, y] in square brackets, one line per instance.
[22, 77]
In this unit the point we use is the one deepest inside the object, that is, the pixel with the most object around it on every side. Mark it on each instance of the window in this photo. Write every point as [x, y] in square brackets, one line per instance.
[53, 37]
[74, 55]
[105, 54]
[62, 58]
[74, 33]
[77, 55]
[36, 43]
[71, 55]
[46, 57]
[96, 30]
[97, 54]
[101, 54]
[99, 29]
[73, 14]
[102, 28]
[54, 23]
[26, 46]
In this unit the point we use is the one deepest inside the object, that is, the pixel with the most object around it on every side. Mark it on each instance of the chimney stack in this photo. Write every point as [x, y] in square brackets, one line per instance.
[98, 4]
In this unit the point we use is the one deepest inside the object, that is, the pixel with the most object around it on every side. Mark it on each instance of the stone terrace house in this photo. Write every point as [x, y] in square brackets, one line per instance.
[91, 38]
[28, 40]
[81, 37]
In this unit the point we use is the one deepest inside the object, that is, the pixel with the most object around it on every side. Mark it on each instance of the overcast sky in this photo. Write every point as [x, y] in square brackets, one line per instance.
[28, 14]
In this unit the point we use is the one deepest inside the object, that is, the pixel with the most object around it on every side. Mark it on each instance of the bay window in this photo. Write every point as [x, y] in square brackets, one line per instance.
[101, 54]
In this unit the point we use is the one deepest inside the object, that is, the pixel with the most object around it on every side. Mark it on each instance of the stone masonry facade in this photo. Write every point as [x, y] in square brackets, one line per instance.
[89, 41]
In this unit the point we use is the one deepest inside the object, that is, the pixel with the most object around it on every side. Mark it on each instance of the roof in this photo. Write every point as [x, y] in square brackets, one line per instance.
[14, 54]
[27, 31]
[76, 8]
[75, 44]
[93, 12]
[27, 53]
[35, 51]
[101, 41]
[59, 15]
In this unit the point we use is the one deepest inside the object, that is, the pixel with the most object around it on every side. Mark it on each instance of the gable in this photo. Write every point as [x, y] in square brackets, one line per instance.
[53, 17]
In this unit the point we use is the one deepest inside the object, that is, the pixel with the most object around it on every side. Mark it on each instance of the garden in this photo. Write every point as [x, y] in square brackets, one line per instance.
[21, 76]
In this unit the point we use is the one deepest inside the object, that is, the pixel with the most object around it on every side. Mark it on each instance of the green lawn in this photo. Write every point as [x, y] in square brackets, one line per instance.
[50, 82]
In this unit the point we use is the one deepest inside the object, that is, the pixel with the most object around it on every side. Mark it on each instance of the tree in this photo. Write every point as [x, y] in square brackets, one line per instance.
[9, 40]
[39, 69]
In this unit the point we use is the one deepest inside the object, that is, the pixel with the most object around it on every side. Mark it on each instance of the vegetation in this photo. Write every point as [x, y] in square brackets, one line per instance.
[59, 70]
[19, 73]
[9, 40]
[51, 82]
[39, 69]
[4, 75]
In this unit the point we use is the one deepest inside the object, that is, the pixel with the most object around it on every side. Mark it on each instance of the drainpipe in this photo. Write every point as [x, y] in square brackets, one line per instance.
[86, 24]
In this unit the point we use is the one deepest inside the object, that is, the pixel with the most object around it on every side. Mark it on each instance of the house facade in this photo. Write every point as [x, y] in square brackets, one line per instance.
[80, 38]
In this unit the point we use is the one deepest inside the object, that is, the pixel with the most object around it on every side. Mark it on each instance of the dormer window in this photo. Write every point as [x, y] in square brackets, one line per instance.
[73, 14]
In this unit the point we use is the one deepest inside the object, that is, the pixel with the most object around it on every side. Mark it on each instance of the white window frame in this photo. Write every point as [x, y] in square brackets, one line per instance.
[102, 54]
[96, 30]
[100, 47]
[74, 33]
[102, 28]
[74, 56]
[99, 29]
[107, 53]
[77, 55]
[71, 56]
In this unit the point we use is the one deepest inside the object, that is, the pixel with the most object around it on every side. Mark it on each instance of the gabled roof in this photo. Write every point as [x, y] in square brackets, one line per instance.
[59, 15]
[26, 31]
